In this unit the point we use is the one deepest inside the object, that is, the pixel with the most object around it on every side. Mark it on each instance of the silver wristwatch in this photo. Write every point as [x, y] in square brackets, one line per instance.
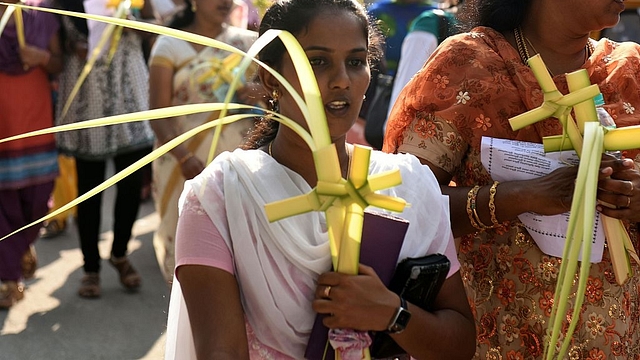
[400, 319]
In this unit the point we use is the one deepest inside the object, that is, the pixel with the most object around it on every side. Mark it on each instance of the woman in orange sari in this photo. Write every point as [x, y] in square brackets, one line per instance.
[467, 90]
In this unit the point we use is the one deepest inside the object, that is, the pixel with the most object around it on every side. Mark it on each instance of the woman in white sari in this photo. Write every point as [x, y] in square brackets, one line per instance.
[185, 73]
[246, 288]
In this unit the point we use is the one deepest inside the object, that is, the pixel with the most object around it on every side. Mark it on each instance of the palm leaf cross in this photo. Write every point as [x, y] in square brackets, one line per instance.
[589, 139]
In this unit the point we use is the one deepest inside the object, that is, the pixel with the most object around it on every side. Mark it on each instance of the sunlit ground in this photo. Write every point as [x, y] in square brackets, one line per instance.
[52, 322]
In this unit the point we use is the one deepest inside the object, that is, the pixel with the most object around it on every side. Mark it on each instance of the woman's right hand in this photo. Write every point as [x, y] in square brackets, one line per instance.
[550, 194]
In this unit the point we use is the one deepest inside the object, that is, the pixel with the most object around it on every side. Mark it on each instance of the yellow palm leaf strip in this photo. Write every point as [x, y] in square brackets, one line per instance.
[556, 143]
[554, 103]
[394, 204]
[594, 133]
[222, 70]
[115, 40]
[616, 236]
[315, 117]
[134, 4]
[176, 173]
[148, 27]
[574, 135]
[134, 167]
[292, 206]
[550, 94]
[328, 171]
[349, 252]
[334, 215]
[621, 251]
[586, 110]
[615, 232]
[206, 41]
[624, 138]
[566, 273]
[125, 5]
[306, 74]
[6, 16]
[19, 27]
[381, 181]
[532, 116]
[178, 110]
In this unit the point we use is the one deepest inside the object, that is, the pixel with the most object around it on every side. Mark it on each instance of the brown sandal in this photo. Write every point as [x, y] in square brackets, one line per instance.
[129, 277]
[29, 263]
[10, 293]
[52, 229]
[90, 286]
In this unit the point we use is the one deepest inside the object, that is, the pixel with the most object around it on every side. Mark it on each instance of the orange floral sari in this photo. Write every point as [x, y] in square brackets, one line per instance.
[468, 89]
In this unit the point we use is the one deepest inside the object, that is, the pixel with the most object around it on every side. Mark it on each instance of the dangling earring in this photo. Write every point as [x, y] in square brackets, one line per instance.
[194, 7]
[273, 102]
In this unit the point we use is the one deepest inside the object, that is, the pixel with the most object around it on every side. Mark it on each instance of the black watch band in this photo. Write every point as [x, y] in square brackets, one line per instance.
[400, 318]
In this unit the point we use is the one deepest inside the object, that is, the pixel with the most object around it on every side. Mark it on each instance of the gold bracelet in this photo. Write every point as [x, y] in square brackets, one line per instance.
[471, 199]
[184, 159]
[492, 203]
[474, 207]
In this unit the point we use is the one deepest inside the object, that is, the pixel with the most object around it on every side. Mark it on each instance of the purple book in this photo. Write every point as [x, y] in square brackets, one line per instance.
[382, 238]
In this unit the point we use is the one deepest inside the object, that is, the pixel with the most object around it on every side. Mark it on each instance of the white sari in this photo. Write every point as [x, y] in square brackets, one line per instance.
[267, 256]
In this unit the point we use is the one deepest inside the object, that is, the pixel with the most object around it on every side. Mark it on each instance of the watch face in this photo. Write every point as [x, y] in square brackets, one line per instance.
[403, 318]
[401, 321]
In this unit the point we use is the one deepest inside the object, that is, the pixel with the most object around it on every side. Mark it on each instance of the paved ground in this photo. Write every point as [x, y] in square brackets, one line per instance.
[52, 322]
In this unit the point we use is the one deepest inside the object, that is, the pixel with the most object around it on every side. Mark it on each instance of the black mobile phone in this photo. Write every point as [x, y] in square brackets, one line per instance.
[417, 280]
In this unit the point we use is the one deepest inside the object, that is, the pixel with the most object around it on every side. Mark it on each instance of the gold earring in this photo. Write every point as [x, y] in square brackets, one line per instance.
[194, 7]
[273, 102]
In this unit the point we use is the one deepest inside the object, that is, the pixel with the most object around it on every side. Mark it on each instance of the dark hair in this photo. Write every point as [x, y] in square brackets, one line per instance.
[184, 17]
[500, 15]
[295, 16]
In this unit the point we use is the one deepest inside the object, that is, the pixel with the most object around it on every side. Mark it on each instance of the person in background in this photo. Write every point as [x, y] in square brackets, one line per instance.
[395, 17]
[29, 166]
[469, 88]
[111, 88]
[181, 73]
[425, 33]
[65, 190]
[252, 288]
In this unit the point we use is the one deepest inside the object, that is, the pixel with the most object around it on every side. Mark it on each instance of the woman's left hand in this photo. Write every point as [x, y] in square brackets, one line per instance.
[32, 56]
[619, 189]
[359, 302]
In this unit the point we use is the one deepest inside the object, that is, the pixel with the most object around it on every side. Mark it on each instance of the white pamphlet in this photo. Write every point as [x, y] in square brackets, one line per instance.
[507, 160]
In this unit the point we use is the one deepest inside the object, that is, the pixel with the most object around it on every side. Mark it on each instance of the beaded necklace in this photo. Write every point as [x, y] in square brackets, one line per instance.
[524, 52]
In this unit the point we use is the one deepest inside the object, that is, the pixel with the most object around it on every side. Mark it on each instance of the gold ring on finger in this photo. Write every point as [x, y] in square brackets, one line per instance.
[327, 291]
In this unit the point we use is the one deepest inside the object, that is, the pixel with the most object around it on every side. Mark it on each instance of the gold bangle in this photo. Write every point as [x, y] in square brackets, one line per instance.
[492, 203]
[474, 207]
[186, 157]
[471, 200]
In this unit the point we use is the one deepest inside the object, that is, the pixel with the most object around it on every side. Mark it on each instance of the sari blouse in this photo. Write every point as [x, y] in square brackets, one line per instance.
[469, 88]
